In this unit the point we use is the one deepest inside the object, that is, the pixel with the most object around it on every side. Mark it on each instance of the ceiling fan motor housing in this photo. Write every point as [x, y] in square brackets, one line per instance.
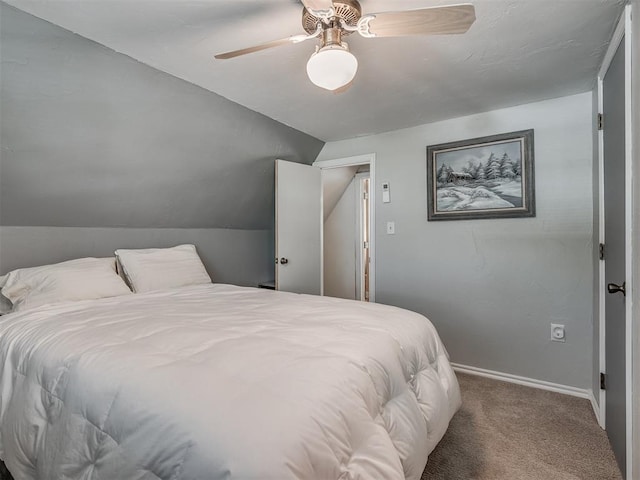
[348, 11]
[332, 66]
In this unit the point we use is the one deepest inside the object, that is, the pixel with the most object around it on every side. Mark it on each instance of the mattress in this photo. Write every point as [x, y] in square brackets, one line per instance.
[221, 382]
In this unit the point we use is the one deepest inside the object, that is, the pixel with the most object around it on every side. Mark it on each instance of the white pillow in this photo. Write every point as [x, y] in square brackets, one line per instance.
[5, 304]
[162, 268]
[81, 279]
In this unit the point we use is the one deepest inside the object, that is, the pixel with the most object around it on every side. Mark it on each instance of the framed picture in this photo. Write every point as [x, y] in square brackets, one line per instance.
[488, 177]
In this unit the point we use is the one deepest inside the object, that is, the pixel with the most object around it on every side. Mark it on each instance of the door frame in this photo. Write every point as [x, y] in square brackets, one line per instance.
[622, 31]
[367, 159]
[359, 232]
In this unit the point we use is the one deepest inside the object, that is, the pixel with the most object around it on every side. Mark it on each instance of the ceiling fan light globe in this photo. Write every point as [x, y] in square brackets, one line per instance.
[332, 67]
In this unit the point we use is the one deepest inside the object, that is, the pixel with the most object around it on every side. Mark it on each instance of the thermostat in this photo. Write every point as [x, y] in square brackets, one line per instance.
[385, 193]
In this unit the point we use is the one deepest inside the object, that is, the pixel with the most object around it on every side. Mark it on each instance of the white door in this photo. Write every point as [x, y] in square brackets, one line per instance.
[298, 228]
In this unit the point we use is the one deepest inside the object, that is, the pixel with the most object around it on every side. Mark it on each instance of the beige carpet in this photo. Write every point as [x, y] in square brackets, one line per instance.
[511, 432]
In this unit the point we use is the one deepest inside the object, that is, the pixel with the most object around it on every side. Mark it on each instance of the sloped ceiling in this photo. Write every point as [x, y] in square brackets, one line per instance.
[334, 182]
[518, 51]
[92, 138]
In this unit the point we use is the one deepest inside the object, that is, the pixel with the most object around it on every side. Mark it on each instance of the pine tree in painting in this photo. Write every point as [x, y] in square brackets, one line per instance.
[516, 168]
[443, 172]
[506, 167]
[492, 169]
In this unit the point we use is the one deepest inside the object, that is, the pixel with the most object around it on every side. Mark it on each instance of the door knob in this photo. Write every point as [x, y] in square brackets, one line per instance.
[283, 261]
[613, 288]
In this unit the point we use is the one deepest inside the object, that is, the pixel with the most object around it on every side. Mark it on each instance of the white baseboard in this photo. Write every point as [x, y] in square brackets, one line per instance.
[531, 382]
[596, 408]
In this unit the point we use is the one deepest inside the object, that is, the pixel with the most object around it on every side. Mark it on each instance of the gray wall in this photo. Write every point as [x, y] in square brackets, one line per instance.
[240, 257]
[93, 138]
[492, 287]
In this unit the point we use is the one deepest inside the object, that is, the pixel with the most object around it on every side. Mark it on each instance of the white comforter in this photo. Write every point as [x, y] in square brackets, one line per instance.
[221, 382]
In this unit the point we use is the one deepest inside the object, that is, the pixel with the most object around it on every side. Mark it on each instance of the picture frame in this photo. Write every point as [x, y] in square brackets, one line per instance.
[482, 178]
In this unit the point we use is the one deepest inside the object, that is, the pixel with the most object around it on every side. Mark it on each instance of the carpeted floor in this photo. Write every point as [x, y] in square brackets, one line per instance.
[511, 432]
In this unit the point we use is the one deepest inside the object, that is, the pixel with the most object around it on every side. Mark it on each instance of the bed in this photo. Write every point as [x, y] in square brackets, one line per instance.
[216, 381]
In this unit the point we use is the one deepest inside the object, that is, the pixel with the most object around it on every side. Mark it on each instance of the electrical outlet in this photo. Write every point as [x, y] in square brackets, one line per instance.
[391, 228]
[557, 332]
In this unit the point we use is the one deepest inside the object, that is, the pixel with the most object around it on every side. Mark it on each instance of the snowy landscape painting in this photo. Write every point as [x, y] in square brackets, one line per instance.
[487, 177]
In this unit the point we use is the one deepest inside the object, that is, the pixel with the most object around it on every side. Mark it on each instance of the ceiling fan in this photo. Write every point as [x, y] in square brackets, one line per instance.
[332, 66]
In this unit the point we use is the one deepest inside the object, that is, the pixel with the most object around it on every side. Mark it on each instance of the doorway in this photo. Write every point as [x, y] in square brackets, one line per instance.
[345, 198]
[348, 236]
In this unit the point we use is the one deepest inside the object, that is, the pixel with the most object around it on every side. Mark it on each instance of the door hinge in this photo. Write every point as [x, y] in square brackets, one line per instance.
[365, 195]
[601, 251]
[365, 244]
[600, 121]
[603, 381]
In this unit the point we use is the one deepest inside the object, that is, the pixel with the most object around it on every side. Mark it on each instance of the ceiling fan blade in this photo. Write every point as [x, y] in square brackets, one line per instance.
[262, 46]
[426, 21]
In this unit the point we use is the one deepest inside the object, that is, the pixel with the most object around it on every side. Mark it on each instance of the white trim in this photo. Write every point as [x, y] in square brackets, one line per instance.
[623, 30]
[602, 331]
[595, 407]
[321, 234]
[635, 102]
[527, 382]
[358, 236]
[276, 273]
[629, 239]
[360, 178]
[346, 161]
[369, 159]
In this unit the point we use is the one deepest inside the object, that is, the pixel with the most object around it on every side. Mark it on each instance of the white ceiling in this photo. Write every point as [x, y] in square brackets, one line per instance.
[518, 51]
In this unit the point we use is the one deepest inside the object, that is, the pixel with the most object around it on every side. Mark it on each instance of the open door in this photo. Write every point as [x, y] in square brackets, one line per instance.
[298, 228]
[614, 220]
[616, 237]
